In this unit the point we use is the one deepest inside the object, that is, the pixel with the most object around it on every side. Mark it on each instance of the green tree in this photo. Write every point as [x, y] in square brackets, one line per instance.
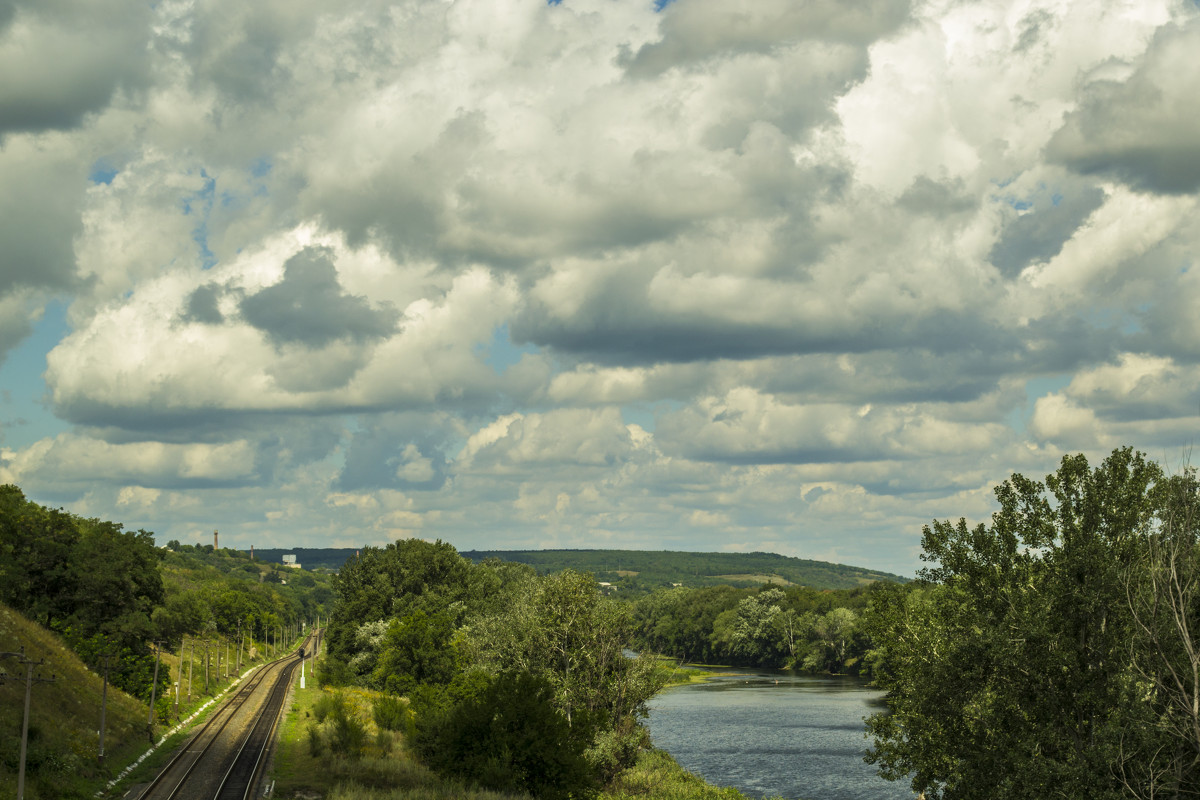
[1009, 674]
[35, 554]
[114, 579]
[563, 631]
[831, 640]
[418, 649]
[388, 582]
[759, 628]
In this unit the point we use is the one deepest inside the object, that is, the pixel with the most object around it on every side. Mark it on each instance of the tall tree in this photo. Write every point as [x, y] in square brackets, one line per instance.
[1011, 675]
[1164, 596]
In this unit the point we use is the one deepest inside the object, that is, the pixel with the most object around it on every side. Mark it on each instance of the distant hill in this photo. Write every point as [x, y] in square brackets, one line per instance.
[645, 569]
[309, 558]
[649, 568]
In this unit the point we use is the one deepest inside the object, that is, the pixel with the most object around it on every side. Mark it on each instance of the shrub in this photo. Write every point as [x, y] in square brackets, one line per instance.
[316, 745]
[508, 737]
[390, 713]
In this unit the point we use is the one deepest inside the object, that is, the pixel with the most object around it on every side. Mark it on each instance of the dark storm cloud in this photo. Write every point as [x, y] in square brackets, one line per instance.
[931, 198]
[39, 218]
[1040, 233]
[236, 48]
[202, 306]
[309, 306]
[68, 60]
[618, 326]
[402, 452]
[1143, 131]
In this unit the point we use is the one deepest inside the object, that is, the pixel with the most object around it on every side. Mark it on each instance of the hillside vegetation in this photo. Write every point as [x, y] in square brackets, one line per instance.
[648, 569]
[639, 571]
[79, 593]
[64, 716]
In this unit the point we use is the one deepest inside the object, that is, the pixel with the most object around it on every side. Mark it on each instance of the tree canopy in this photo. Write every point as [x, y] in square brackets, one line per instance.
[1020, 667]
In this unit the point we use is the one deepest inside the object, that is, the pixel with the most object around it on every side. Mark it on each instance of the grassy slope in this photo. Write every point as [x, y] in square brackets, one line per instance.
[64, 717]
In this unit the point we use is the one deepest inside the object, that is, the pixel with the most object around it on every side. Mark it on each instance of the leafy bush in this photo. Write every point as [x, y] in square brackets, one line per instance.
[349, 736]
[339, 729]
[390, 713]
[316, 745]
[329, 703]
[616, 748]
[508, 737]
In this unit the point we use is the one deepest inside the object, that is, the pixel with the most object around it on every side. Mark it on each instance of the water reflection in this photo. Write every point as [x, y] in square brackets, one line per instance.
[787, 735]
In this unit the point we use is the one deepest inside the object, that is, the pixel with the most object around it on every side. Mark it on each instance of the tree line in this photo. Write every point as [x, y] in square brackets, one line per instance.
[112, 592]
[795, 627]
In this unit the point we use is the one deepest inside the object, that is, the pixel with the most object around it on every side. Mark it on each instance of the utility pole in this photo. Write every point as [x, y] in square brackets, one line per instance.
[103, 707]
[206, 666]
[154, 689]
[191, 661]
[239, 655]
[29, 681]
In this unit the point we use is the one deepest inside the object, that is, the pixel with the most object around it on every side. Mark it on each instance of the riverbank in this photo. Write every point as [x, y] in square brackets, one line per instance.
[674, 673]
[388, 770]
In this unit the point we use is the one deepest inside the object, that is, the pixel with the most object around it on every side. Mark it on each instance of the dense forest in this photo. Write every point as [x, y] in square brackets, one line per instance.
[797, 627]
[514, 680]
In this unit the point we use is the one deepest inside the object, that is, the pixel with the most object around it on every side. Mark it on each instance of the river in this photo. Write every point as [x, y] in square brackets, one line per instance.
[774, 735]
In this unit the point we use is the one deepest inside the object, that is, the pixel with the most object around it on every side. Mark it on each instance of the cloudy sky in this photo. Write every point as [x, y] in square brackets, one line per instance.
[696, 275]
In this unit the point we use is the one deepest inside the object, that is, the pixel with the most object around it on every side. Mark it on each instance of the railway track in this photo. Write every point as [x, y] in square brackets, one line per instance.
[224, 758]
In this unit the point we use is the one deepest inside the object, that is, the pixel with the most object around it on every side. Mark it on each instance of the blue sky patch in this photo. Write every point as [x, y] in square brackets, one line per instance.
[25, 415]
[102, 172]
[501, 352]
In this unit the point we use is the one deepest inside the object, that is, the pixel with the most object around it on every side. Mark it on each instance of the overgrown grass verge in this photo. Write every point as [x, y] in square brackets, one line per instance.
[388, 771]
[657, 775]
[63, 737]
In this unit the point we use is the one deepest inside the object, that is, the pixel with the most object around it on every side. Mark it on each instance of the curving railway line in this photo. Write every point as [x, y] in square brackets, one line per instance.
[225, 757]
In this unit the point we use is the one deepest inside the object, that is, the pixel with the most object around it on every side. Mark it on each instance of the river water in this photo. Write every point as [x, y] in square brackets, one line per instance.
[774, 735]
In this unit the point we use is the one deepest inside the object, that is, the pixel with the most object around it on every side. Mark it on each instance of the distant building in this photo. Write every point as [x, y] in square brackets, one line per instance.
[290, 561]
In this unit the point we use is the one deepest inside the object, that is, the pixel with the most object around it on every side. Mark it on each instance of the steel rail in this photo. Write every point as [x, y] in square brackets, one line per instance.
[210, 732]
[244, 773]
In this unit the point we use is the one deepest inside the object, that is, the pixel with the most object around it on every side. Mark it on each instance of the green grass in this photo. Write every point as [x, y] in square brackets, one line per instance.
[672, 673]
[656, 775]
[388, 772]
[757, 577]
[62, 760]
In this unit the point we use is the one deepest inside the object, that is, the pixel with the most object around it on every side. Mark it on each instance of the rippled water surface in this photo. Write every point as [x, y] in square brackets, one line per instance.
[792, 736]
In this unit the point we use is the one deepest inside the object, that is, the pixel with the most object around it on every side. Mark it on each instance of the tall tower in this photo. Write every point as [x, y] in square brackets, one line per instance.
[214, 540]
